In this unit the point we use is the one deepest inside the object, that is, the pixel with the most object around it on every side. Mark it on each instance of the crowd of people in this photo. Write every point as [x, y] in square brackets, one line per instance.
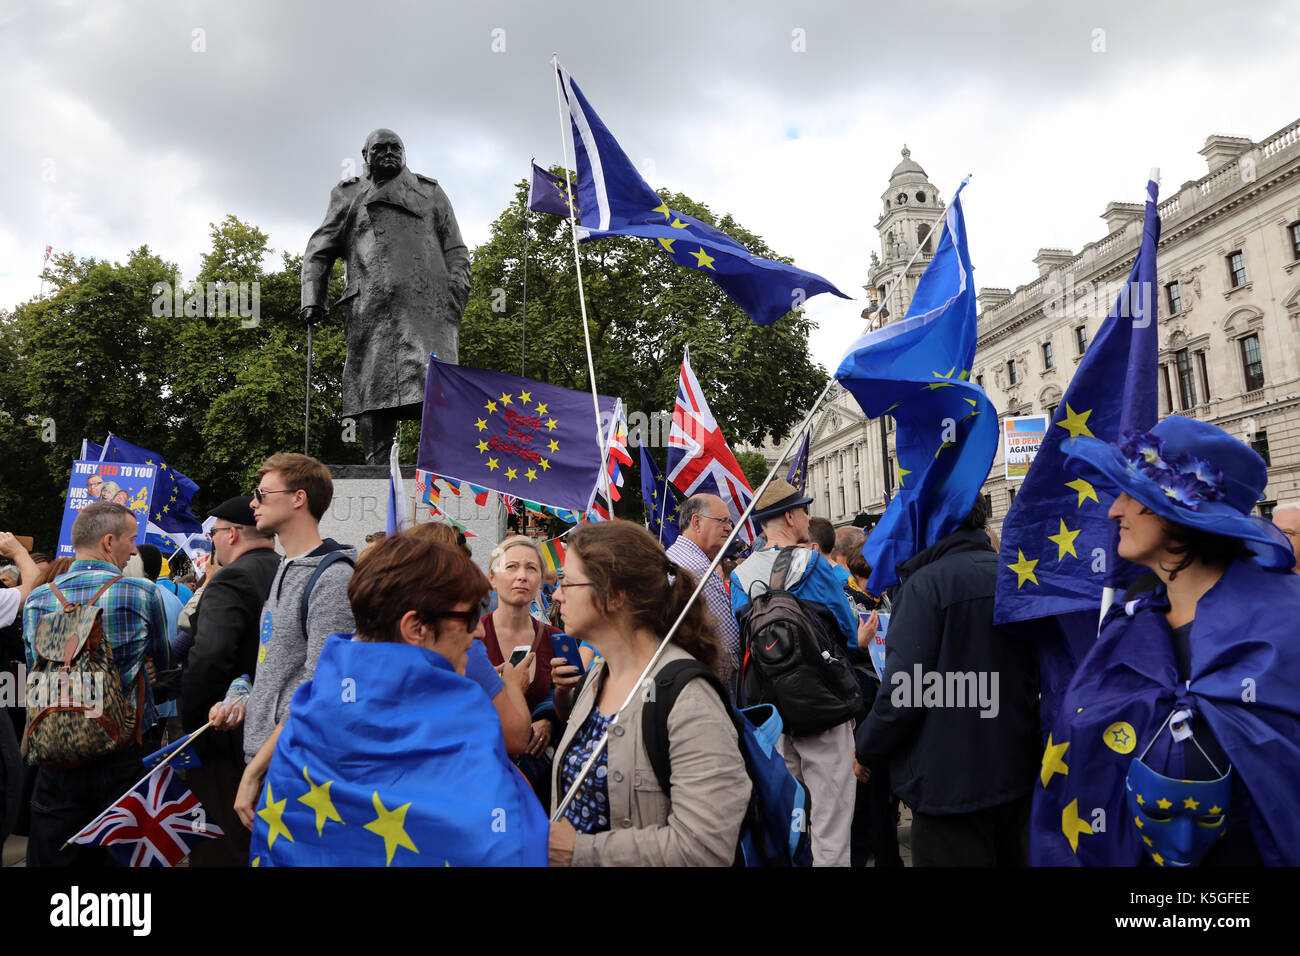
[402, 682]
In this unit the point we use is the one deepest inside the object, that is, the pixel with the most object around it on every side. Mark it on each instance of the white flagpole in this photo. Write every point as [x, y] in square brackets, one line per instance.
[704, 579]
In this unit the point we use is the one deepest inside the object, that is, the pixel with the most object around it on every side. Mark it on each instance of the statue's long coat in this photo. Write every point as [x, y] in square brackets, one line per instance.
[407, 283]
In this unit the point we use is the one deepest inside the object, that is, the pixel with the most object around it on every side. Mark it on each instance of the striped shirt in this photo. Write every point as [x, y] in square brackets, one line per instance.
[687, 554]
[133, 617]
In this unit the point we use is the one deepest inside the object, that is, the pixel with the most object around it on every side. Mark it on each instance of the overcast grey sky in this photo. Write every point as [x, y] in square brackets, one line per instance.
[141, 122]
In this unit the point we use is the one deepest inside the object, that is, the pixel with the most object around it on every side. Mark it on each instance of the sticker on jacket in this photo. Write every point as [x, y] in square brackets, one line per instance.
[265, 637]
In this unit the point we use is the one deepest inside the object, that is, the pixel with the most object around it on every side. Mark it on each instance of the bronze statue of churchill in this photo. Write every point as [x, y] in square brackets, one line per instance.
[408, 279]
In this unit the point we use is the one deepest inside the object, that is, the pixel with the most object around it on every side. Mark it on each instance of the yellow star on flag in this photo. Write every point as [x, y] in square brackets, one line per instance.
[546, 465]
[902, 473]
[525, 397]
[482, 446]
[480, 424]
[703, 259]
[1076, 423]
[1141, 802]
[1190, 804]
[1160, 860]
[933, 385]
[1064, 540]
[1216, 809]
[1053, 761]
[1147, 840]
[272, 813]
[553, 445]
[541, 408]
[551, 424]
[491, 406]
[1138, 821]
[663, 208]
[1024, 569]
[946, 444]
[505, 398]
[1084, 489]
[391, 825]
[530, 474]
[511, 474]
[668, 244]
[493, 464]
[1163, 804]
[1072, 826]
[678, 224]
[318, 798]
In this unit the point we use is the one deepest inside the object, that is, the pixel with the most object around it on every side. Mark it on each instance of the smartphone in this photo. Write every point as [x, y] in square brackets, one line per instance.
[567, 648]
[518, 654]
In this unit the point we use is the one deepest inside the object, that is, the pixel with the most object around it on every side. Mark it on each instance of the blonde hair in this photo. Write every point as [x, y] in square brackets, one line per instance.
[515, 540]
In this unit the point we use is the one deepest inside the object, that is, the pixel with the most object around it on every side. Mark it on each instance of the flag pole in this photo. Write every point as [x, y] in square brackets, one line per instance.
[577, 263]
[523, 326]
[306, 407]
[699, 588]
[152, 770]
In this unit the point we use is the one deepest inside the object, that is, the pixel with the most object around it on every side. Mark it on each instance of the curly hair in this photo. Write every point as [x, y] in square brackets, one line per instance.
[624, 559]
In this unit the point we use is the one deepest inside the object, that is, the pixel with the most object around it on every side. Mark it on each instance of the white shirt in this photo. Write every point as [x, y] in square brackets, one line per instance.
[11, 603]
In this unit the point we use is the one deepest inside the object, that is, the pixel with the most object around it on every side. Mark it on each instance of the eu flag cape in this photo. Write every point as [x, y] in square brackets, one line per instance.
[391, 758]
[1244, 683]
[918, 371]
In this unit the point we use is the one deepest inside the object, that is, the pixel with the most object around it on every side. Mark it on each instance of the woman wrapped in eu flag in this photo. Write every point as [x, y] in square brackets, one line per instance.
[391, 756]
[1178, 739]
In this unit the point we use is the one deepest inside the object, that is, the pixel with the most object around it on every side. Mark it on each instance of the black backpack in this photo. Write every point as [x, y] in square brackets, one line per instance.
[793, 661]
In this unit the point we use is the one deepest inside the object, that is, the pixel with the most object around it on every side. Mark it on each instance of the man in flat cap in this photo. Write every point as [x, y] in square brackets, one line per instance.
[407, 283]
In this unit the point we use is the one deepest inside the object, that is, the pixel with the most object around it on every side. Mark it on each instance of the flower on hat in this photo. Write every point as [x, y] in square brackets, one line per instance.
[1188, 480]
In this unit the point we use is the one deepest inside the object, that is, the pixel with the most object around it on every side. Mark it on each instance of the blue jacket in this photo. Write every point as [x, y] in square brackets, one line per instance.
[811, 577]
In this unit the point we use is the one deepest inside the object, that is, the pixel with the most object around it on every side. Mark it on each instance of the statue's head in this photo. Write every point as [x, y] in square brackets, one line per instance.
[384, 154]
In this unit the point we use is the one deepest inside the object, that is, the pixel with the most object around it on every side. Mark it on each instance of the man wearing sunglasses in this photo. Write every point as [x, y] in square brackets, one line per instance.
[308, 601]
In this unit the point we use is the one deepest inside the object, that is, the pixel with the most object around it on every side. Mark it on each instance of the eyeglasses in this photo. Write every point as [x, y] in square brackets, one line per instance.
[215, 530]
[725, 522]
[260, 495]
[560, 582]
[471, 617]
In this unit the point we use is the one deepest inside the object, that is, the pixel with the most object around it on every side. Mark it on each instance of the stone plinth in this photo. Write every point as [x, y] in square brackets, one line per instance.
[360, 507]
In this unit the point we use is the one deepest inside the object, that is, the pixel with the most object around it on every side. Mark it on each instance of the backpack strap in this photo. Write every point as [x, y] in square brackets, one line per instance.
[668, 684]
[332, 558]
[68, 605]
[781, 569]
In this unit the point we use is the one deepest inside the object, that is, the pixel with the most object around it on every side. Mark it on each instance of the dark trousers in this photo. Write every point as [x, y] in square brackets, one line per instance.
[994, 836]
[64, 801]
[875, 823]
[216, 784]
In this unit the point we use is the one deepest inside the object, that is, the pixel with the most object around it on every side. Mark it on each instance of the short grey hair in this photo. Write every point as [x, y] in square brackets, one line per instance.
[849, 540]
[96, 520]
[692, 506]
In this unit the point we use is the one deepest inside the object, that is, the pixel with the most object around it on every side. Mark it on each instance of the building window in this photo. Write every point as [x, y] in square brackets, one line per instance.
[841, 511]
[1236, 269]
[1175, 300]
[1266, 509]
[1048, 362]
[1205, 375]
[1011, 496]
[979, 380]
[1051, 412]
[1186, 378]
[1081, 338]
[1252, 363]
[1260, 444]
[988, 504]
[857, 494]
[1169, 396]
[1012, 378]
[923, 237]
[1294, 229]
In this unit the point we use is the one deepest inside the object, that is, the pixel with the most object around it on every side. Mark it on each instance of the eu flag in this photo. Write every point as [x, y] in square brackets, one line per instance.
[1058, 546]
[511, 434]
[798, 474]
[662, 503]
[918, 371]
[172, 491]
[186, 758]
[613, 200]
[391, 758]
[547, 192]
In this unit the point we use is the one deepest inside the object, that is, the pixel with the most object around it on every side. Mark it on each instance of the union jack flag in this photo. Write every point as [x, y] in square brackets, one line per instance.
[155, 823]
[699, 459]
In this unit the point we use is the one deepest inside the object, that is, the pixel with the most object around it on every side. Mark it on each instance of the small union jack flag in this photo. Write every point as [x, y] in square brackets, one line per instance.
[155, 823]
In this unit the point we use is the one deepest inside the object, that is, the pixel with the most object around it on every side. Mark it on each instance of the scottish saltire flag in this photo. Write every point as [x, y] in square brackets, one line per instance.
[699, 459]
[1058, 546]
[155, 823]
[511, 435]
[918, 371]
[172, 491]
[798, 473]
[548, 192]
[613, 200]
[410, 771]
[662, 505]
[398, 519]
[185, 756]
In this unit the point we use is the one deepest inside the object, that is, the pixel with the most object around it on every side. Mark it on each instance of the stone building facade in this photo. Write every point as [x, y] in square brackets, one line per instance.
[1229, 317]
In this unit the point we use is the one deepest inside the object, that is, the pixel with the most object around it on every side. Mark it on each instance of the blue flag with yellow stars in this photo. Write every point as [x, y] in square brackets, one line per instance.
[391, 758]
[662, 503]
[613, 200]
[172, 492]
[547, 192]
[1058, 546]
[510, 434]
[798, 474]
[185, 758]
[918, 371]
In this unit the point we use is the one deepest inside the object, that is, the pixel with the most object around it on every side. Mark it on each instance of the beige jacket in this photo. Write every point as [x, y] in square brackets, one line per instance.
[699, 826]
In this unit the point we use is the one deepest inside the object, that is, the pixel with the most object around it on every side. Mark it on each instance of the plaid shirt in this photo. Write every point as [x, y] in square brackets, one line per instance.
[133, 617]
[687, 554]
